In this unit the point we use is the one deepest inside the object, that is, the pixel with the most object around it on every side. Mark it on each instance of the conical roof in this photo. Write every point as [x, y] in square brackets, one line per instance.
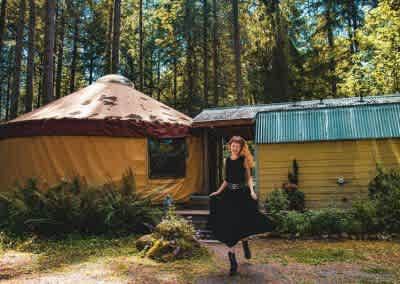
[109, 107]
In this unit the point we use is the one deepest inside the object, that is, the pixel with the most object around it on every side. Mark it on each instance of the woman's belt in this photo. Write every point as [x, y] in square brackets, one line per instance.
[236, 185]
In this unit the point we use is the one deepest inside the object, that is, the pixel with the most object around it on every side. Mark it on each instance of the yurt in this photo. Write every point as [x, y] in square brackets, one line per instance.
[99, 132]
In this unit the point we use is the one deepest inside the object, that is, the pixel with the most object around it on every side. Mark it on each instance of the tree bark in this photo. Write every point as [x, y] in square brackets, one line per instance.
[108, 68]
[205, 52]
[215, 54]
[3, 16]
[74, 53]
[175, 89]
[329, 34]
[236, 47]
[141, 71]
[31, 64]
[18, 60]
[116, 36]
[48, 66]
[60, 51]
[189, 54]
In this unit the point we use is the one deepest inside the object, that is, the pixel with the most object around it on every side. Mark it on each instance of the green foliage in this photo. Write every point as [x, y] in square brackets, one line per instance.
[72, 206]
[277, 200]
[173, 238]
[364, 217]
[379, 213]
[375, 68]
[294, 222]
[329, 220]
[384, 191]
[296, 199]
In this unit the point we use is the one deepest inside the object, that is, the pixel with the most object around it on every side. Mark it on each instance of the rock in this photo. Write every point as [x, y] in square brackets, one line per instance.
[344, 235]
[324, 236]
[159, 248]
[143, 241]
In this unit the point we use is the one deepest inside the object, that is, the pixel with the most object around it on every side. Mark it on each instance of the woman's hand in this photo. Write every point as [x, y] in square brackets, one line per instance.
[213, 193]
[253, 195]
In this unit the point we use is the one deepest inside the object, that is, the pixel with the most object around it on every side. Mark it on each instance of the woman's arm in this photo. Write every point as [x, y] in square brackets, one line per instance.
[220, 189]
[250, 184]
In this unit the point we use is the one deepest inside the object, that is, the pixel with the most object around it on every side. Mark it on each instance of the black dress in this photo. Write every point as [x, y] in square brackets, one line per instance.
[234, 213]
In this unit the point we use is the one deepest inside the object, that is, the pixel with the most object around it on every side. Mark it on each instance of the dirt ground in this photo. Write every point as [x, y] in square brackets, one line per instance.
[273, 261]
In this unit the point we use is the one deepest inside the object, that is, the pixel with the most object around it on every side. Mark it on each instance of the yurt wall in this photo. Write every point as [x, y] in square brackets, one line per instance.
[97, 159]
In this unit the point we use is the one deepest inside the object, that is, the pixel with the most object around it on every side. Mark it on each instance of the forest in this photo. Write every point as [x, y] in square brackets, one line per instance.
[195, 54]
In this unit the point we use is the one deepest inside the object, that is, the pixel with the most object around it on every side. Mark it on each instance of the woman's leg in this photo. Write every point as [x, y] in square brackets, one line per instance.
[232, 260]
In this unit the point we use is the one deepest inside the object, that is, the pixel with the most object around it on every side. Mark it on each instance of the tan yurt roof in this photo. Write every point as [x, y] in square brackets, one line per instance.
[110, 106]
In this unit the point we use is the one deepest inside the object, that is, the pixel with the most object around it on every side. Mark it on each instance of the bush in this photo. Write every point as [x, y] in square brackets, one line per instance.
[328, 221]
[384, 190]
[73, 207]
[364, 217]
[294, 222]
[277, 201]
[296, 199]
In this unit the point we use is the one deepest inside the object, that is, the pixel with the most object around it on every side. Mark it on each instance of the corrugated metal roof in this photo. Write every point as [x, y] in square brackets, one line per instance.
[339, 123]
[250, 111]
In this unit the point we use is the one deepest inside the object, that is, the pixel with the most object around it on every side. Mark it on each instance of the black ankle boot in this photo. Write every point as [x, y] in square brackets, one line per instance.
[246, 249]
[232, 259]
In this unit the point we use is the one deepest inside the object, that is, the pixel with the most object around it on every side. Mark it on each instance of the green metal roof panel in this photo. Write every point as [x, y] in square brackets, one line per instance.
[338, 123]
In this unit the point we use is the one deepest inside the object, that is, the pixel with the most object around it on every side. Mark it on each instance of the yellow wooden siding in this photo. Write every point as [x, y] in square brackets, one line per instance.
[320, 165]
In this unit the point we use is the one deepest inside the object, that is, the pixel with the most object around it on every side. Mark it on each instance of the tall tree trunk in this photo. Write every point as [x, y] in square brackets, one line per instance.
[205, 51]
[158, 75]
[60, 51]
[48, 66]
[91, 67]
[189, 54]
[236, 47]
[353, 15]
[329, 34]
[8, 98]
[141, 71]
[175, 89]
[109, 38]
[30, 65]
[215, 53]
[3, 10]
[116, 36]
[8, 92]
[74, 53]
[39, 97]
[18, 60]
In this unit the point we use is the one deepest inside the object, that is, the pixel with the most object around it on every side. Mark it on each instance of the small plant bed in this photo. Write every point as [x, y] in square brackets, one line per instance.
[374, 218]
[173, 238]
[74, 207]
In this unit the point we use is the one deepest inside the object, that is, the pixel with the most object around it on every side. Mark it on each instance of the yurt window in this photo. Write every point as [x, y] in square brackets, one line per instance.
[167, 158]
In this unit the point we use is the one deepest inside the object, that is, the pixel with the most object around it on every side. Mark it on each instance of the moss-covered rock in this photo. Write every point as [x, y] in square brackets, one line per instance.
[173, 238]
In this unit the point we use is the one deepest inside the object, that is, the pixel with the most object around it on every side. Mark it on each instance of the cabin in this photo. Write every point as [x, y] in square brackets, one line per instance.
[335, 142]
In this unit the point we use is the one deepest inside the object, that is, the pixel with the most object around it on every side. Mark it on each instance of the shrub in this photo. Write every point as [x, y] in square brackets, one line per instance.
[277, 200]
[364, 217]
[329, 220]
[296, 199]
[71, 206]
[294, 222]
[384, 189]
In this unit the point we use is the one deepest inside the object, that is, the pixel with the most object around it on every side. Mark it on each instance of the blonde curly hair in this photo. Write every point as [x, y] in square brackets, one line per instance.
[244, 150]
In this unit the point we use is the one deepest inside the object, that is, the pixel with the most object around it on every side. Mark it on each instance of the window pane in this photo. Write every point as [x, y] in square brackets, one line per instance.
[167, 158]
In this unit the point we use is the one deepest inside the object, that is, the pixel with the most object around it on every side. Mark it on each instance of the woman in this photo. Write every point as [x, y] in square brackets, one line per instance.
[234, 215]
